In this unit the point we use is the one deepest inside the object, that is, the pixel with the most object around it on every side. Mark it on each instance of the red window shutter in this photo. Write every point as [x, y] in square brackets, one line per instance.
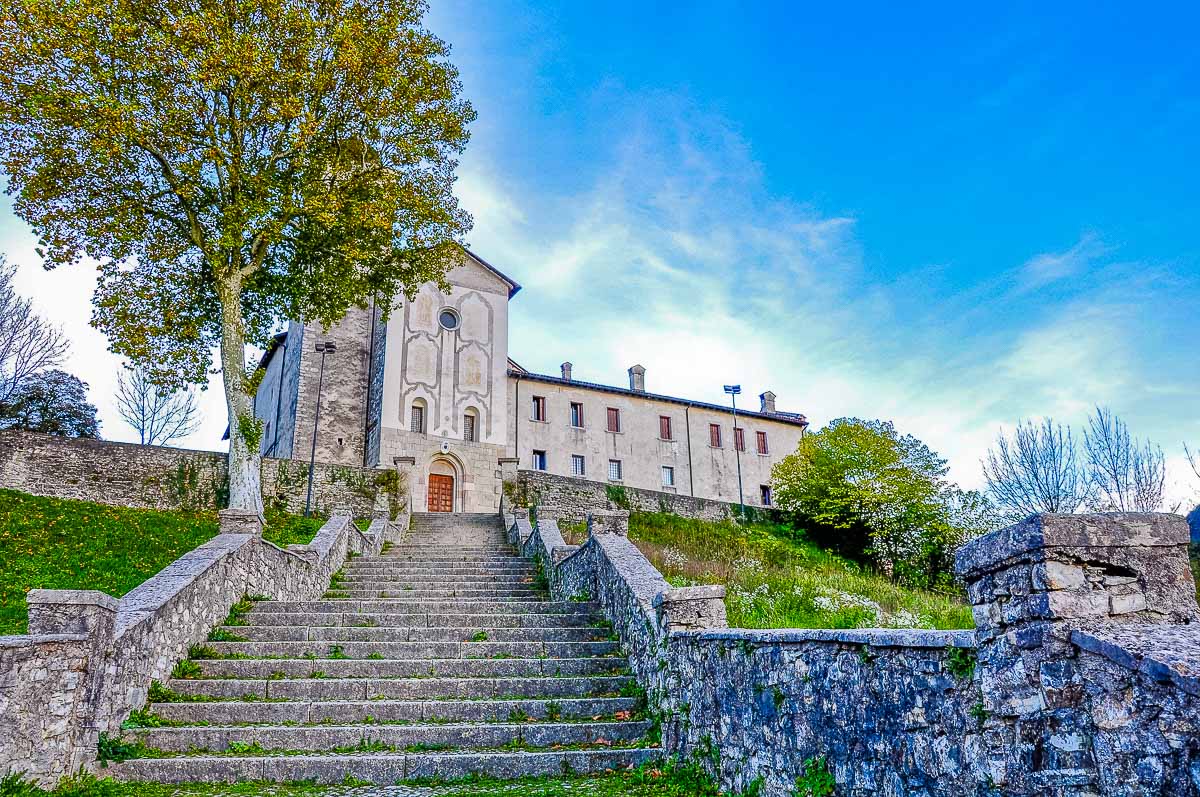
[664, 427]
[761, 439]
[739, 439]
[714, 435]
[614, 419]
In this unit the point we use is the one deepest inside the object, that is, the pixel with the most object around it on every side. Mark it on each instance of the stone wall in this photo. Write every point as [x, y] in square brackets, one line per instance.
[89, 658]
[574, 498]
[1085, 683]
[158, 477]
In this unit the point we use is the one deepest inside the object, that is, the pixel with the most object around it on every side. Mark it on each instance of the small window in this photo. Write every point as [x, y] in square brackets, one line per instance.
[668, 476]
[538, 408]
[416, 420]
[614, 470]
[539, 460]
[614, 419]
[577, 414]
[760, 439]
[577, 465]
[469, 428]
[714, 435]
[764, 492]
[739, 439]
[448, 319]
[664, 427]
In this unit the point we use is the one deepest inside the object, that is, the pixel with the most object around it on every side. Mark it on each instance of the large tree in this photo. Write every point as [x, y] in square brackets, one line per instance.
[1038, 469]
[230, 164]
[51, 402]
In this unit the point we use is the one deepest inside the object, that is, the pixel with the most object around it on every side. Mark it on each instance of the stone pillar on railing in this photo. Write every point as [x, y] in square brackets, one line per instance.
[241, 521]
[1030, 585]
[692, 608]
[89, 613]
[609, 522]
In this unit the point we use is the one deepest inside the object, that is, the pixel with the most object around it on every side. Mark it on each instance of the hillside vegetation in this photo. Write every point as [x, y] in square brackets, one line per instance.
[776, 580]
[52, 543]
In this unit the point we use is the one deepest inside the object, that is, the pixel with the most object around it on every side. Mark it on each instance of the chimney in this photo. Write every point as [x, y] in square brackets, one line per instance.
[637, 379]
[768, 402]
[566, 371]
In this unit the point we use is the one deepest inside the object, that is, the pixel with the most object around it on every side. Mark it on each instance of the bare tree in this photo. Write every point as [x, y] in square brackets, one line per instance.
[1125, 475]
[28, 343]
[1037, 470]
[157, 414]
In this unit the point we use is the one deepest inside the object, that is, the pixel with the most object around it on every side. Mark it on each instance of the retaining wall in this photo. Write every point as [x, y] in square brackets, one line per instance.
[158, 477]
[574, 498]
[1086, 681]
[89, 659]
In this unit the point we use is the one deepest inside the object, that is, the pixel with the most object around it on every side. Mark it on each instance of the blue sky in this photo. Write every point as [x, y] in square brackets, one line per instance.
[951, 219]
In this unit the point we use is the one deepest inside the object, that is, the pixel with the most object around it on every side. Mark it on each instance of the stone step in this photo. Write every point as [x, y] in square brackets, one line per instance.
[401, 688]
[348, 712]
[316, 738]
[405, 605]
[285, 633]
[413, 650]
[422, 594]
[384, 769]
[410, 668]
[425, 580]
[369, 568]
[418, 620]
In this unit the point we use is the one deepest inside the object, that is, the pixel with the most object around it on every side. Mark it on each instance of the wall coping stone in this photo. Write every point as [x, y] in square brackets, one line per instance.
[13, 641]
[1035, 534]
[1168, 654]
[875, 637]
[72, 597]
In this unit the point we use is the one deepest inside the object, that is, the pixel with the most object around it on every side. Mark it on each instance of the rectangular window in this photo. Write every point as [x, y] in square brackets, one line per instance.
[764, 492]
[760, 439]
[577, 414]
[469, 428]
[664, 427]
[614, 419]
[614, 470]
[577, 468]
[668, 476]
[739, 439]
[538, 408]
[539, 460]
[714, 435]
[416, 420]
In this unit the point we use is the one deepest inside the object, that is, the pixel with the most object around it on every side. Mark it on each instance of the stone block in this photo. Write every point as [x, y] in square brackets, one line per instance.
[241, 521]
[692, 608]
[71, 611]
[1058, 575]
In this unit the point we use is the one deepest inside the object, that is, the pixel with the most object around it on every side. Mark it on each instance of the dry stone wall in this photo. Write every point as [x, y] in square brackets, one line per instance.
[89, 659]
[575, 499]
[1083, 677]
[158, 477]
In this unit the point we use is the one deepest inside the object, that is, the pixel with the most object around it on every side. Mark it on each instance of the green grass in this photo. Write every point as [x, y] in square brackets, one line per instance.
[776, 580]
[52, 543]
[284, 529]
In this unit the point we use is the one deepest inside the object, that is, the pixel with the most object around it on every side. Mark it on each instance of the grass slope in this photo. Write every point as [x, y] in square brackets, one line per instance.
[774, 580]
[52, 543]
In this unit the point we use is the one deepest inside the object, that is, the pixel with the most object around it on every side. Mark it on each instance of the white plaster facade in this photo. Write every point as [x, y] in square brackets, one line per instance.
[474, 414]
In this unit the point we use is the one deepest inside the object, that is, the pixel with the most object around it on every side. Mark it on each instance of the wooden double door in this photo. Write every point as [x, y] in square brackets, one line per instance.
[441, 493]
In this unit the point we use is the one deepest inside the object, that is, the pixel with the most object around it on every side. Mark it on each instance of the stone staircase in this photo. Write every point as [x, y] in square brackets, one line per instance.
[440, 659]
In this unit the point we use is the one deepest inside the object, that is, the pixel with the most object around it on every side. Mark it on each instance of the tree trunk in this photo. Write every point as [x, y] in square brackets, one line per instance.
[245, 459]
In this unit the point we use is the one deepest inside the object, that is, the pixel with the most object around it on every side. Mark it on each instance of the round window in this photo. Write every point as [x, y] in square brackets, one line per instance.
[448, 319]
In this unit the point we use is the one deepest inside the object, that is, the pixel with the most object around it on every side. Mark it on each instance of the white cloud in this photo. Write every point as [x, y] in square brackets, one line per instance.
[1050, 267]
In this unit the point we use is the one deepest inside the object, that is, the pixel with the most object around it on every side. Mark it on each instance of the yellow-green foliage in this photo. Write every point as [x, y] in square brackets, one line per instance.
[51, 543]
[776, 580]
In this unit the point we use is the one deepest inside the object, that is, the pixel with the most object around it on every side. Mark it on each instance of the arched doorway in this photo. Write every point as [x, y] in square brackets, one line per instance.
[442, 483]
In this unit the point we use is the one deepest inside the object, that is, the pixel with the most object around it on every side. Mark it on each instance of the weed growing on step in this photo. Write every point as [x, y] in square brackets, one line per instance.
[221, 635]
[239, 610]
[479, 636]
[198, 652]
[186, 669]
[336, 652]
[115, 749]
[553, 711]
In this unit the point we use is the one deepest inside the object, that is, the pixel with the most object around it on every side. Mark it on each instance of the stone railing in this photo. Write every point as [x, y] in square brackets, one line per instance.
[574, 498]
[1073, 692]
[89, 659]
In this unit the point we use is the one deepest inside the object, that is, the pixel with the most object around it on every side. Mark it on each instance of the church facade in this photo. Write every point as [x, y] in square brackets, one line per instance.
[433, 392]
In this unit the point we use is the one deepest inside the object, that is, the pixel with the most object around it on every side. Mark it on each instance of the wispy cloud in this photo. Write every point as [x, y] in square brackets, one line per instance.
[1051, 267]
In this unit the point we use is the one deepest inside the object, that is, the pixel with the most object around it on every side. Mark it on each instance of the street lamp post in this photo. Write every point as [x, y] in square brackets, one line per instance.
[323, 348]
[733, 391]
